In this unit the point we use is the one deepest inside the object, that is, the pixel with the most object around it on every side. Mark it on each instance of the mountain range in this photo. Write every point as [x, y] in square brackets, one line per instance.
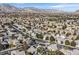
[9, 8]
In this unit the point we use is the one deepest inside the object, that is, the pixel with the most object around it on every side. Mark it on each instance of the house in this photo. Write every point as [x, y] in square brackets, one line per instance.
[32, 50]
[52, 47]
[17, 52]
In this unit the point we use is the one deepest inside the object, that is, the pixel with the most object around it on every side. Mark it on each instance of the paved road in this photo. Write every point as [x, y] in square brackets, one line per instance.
[9, 49]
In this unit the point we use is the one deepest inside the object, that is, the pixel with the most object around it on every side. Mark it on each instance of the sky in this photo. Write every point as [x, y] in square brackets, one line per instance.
[60, 6]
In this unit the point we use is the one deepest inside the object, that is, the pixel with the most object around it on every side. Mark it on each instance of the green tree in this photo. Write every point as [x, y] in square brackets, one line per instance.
[47, 38]
[57, 52]
[67, 42]
[26, 36]
[77, 38]
[12, 22]
[55, 26]
[52, 39]
[40, 50]
[74, 33]
[24, 30]
[51, 52]
[50, 19]
[73, 43]
[64, 27]
[40, 36]
[61, 42]
[68, 34]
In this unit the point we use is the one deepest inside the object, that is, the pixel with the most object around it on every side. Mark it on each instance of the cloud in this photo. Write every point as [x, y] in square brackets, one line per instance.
[65, 5]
